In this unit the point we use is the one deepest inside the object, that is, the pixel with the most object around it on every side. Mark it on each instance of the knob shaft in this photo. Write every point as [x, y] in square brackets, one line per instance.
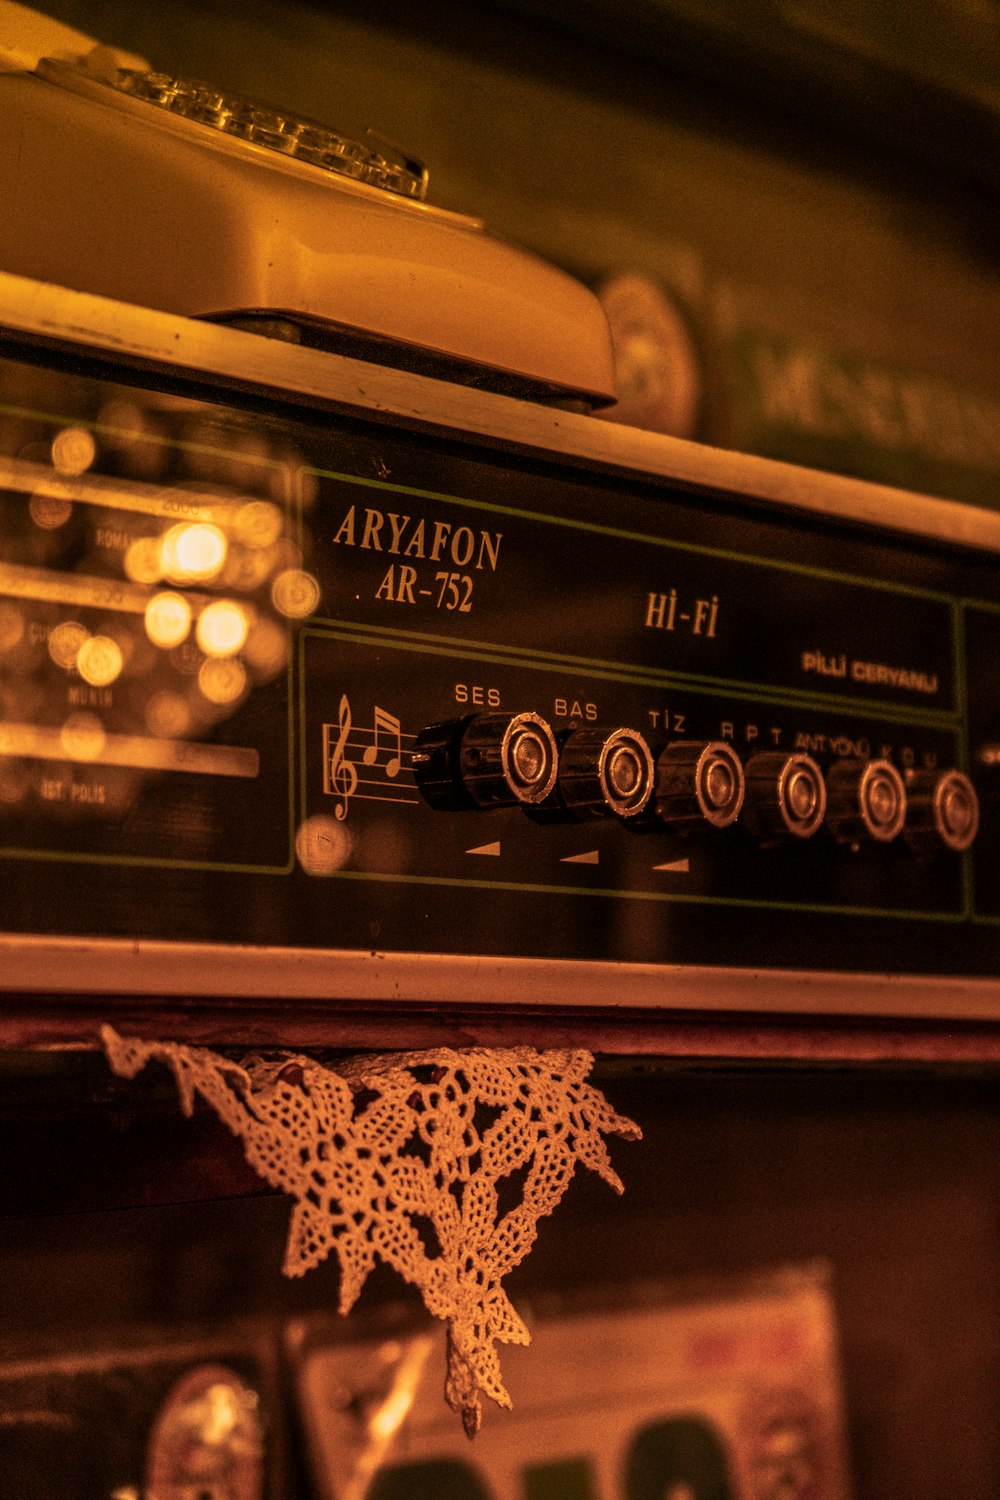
[785, 796]
[866, 800]
[699, 784]
[942, 811]
[602, 773]
[486, 760]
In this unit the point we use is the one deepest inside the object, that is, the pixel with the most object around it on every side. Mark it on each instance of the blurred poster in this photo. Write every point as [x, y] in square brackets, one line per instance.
[731, 1392]
[799, 400]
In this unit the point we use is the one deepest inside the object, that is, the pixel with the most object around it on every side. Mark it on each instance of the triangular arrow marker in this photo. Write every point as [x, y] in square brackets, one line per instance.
[592, 857]
[682, 866]
[485, 849]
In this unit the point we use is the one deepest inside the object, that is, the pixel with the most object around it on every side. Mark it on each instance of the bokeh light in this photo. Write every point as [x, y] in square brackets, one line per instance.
[322, 845]
[73, 450]
[193, 553]
[259, 523]
[11, 625]
[83, 737]
[49, 512]
[222, 628]
[99, 660]
[167, 715]
[142, 560]
[266, 649]
[222, 682]
[65, 641]
[168, 619]
[295, 593]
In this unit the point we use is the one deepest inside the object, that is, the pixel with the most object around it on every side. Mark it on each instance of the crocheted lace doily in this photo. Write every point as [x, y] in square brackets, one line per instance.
[405, 1157]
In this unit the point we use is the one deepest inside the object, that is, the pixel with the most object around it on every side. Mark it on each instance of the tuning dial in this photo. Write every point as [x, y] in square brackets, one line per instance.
[865, 800]
[602, 773]
[942, 811]
[785, 796]
[698, 784]
[486, 760]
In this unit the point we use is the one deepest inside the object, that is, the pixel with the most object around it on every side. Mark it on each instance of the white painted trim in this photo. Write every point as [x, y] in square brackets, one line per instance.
[50, 313]
[44, 965]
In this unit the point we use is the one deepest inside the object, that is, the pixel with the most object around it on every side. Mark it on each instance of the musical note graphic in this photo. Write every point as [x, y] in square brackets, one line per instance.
[370, 765]
[340, 777]
[388, 725]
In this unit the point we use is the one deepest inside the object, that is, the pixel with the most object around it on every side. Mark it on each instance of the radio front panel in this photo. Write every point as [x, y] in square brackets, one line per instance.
[298, 679]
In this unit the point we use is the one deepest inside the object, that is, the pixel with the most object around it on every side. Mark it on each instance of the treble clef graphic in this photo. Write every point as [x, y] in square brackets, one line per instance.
[341, 777]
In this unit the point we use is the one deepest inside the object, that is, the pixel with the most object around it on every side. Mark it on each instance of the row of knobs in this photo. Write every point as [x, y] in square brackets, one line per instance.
[499, 759]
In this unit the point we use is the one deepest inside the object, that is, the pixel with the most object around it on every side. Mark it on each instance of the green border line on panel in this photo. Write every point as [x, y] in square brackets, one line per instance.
[963, 748]
[53, 419]
[652, 676]
[988, 606]
[699, 548]
[821, 908]
[143, 861]
[707, 687]
[985, 606]
[695, 548]
[290, 690]
[303, 801]
[904, 914]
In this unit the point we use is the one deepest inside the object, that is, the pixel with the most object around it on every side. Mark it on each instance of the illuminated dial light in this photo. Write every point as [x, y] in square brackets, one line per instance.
[122, 421]
[222, 628]
[73, 450]
[65, 641]
[259, 523]
[142, 561]
[99, 661]
[14, 783]
[193, 553]
[168, 619]
[222, 681]
[83, 737]
[322, 845]
[167, 716]
[295, 594]
[49, 512]
[266, 649]
[11, 626]
[246, 568]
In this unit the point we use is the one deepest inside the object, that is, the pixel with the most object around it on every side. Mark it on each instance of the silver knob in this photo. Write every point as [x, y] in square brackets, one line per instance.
[943, 811]
[785, 796]
[698, 783]
[603, 773]
[866, 800]
[487, 760]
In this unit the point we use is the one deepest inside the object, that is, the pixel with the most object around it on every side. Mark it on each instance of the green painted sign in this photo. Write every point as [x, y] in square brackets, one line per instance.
[830, 411]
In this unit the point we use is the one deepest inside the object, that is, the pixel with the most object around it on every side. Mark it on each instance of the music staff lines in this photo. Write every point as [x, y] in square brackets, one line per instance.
[351, 750]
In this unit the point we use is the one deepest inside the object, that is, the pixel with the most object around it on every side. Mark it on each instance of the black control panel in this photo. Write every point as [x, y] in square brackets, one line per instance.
[275, 677]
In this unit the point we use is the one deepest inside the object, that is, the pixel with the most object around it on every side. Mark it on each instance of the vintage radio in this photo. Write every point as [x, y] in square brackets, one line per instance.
[334, 687]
